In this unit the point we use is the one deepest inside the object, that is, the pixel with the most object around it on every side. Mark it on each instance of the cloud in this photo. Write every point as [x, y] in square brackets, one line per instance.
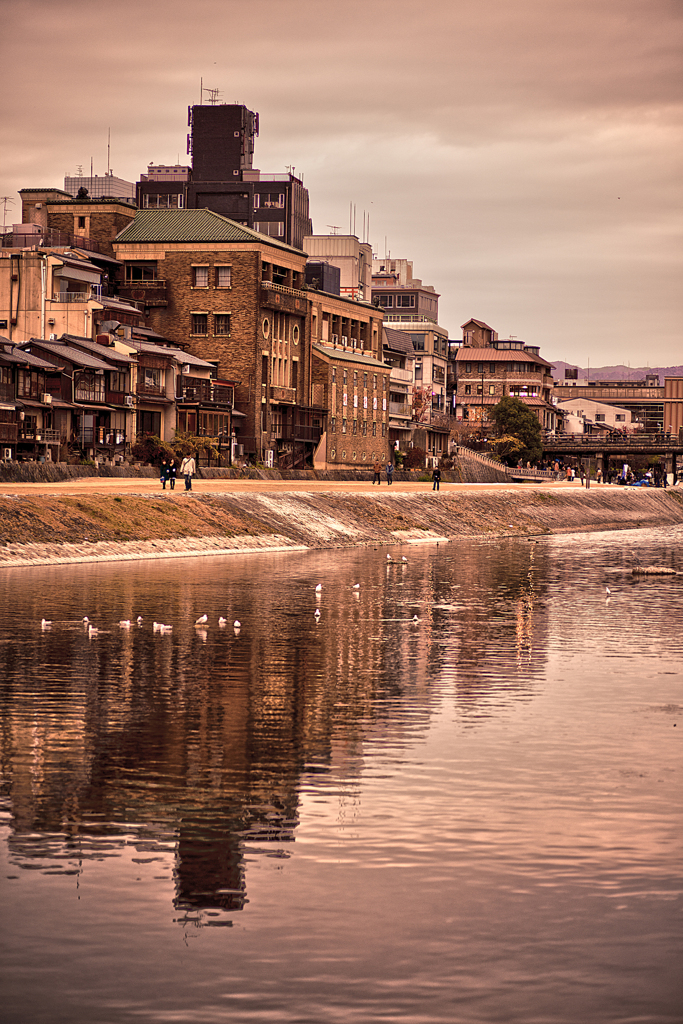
[526, 156]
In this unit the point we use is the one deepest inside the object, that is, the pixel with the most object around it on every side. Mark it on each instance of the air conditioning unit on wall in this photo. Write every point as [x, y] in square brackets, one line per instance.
[7, 453]
[130, 401]
[269, 458]
[46, 399]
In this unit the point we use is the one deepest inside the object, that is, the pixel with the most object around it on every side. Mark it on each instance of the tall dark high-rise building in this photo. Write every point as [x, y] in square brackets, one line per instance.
[223, 178]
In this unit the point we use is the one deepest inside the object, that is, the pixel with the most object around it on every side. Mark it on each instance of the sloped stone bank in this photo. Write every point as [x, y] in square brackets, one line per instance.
[52, 529]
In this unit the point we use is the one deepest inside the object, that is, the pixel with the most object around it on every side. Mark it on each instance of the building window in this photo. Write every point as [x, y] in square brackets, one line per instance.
[405, 301]
[334, 374]
[620, 417]
[492, 389]
[492, 367]
[384, 430]
[223, 277]
[344, 425]
[365, 380]
[599, 417]
[272, 200]
[468, 389]
[385, 301]
[81, 222]
[480, 389]
[333, 425]
[374, 428]
[468, 367]
[418, 369]
[200, 277]
[355, 426]
[200, 323]
[374, 381]
[365, 428]
[221, 323]
[141, 272]
[345, 376]
[272, 228]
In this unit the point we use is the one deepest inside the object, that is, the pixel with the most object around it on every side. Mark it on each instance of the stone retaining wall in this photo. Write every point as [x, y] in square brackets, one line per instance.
[257, 521]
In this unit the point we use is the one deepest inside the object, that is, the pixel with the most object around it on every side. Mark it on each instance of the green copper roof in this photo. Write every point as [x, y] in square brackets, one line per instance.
[192, 226]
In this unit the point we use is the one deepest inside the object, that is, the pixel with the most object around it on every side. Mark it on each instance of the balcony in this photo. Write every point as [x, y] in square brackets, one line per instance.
[287, 432]
[280, 296]
[286, 395]
[400, 409]
[202, 390]
[6, 392]
[154, 390]
[90, 394]
[404, 376]
[38, 434]
[147, 293]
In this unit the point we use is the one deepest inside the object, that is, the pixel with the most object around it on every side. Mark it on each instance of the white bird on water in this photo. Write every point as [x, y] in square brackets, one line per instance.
[237, 624]
[201, 620]
[92, 631]
[356, 586]
[318, 588]
[85, 620]
[222, 622]
[165, 629]
[317, 614]
[415, 618]
[608, 591]
[139, 620]
[45, 623]
[389, 558]
[404, 559]
[124, 624]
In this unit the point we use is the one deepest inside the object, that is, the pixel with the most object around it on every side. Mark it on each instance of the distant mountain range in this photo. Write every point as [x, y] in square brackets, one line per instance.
[620, 372]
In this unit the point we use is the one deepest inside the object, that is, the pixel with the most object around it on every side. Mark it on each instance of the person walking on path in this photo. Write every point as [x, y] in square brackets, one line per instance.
[188, 469]
[172, 473]
[390, 472]
[163, 473]
[436, 478]
[377, 471]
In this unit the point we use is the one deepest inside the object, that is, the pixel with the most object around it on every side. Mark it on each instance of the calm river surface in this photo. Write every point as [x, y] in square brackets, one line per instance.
[476, 817]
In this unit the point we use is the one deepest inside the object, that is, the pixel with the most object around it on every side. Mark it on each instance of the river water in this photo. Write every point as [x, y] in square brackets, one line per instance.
[350, 817]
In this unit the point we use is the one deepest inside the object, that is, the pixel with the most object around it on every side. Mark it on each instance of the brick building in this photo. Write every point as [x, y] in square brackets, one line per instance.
[489, 368]
[350, 380]
[55, 218]
[235, 298]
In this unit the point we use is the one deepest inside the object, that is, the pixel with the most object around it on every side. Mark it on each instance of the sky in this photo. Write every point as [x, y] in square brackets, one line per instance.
[525, 156]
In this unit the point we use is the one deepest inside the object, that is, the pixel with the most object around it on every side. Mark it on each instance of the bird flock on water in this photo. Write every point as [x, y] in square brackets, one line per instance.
[202, 622]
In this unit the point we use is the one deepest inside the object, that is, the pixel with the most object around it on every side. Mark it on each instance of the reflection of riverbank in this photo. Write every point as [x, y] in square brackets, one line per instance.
[191, 748]
[40, 529]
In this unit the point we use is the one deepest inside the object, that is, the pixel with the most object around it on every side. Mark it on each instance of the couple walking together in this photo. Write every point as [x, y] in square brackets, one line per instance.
[377, 471]
[188, 468]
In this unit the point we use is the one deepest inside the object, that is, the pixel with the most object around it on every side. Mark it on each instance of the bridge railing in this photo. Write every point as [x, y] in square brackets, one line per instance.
[613, 439]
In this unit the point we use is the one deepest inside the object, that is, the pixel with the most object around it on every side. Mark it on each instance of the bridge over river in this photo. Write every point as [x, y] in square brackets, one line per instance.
[620, 447]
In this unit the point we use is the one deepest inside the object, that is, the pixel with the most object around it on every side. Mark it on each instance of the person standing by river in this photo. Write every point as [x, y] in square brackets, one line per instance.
[436, 478]
[390, 472]
[377, 471]
[172, 473]
[188, 468]
[163, 473]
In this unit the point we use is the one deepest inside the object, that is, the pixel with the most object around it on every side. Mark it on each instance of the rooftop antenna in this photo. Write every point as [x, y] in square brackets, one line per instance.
[79, 171]
[213, 96]
[334, 228]
[108, 149]
[5, 200]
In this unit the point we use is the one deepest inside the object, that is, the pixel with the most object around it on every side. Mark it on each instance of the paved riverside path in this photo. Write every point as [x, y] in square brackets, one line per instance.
[223, 485]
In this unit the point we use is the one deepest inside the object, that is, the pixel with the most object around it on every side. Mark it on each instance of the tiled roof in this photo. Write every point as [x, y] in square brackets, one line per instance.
[72, 355]
[102, 350]
[398, 341]
[479, 323]
[498, 355]
[349, 356]
[12, 354]
[191, 226]
[172, 353]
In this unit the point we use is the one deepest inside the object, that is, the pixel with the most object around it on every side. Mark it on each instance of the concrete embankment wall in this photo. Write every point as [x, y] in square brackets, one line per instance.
[43, 530]
[465, 470]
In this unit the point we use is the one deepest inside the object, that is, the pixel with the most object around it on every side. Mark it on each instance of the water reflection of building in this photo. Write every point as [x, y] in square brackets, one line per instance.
[204, 743]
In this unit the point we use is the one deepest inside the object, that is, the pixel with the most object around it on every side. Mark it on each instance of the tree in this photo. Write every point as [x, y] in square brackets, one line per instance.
[514, 419]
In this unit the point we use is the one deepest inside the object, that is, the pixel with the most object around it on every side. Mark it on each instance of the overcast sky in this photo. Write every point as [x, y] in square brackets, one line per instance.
[525, 155]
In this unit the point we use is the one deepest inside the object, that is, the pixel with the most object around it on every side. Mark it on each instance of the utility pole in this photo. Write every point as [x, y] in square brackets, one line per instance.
[5, 200]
